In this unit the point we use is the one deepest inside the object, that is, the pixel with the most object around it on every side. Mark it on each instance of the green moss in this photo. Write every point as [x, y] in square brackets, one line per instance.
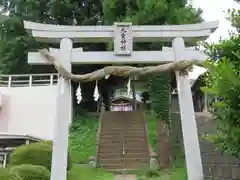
[82, 140]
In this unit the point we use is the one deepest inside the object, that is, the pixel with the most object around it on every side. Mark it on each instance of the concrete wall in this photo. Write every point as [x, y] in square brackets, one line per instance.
[216, 165]
[28, 110]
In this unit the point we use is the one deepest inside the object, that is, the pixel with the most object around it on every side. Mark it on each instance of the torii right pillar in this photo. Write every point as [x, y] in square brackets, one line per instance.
[188, 120]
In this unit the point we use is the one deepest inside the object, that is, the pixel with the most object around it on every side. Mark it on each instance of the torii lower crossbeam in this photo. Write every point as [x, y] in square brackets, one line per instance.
[107, 57]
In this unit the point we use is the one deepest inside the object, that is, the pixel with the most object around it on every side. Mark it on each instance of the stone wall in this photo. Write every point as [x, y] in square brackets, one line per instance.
[216, 165]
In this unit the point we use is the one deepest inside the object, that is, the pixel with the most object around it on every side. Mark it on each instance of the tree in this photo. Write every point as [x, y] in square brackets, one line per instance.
[223, 81]
[15, 42]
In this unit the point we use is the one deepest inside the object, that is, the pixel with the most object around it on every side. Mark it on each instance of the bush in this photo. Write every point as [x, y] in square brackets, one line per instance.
[152, 173]
[5, 174]
[31, 172]
[223, 81]
[36, 153]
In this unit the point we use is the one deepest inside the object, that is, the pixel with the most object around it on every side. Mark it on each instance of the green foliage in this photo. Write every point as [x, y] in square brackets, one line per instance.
[5, 174]
[31, 172]
[152, 173]
[82, 140]
[34, 153]
[223, 80]
[159, 95]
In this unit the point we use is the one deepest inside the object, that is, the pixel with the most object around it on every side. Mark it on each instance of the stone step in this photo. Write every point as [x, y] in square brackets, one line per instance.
[127, 155]
[119, 139]
[138, 135]
[127, 142]
[120, 146]
[118, 129]
[122, 125]
[126, 136]
[124, 161]
[123, 131]
[125, 177]
[120, 150]
[137, 165]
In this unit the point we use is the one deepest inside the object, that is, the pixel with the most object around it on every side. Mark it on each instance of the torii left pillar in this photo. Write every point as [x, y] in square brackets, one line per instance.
[63, 114]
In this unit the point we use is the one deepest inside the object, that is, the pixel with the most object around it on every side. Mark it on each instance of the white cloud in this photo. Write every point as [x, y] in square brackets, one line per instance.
[217, 10]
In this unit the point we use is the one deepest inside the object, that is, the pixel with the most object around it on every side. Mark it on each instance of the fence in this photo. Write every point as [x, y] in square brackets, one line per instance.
[28, 80]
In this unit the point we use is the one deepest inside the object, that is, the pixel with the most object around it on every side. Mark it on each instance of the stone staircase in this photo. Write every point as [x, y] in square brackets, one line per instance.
[123, 142]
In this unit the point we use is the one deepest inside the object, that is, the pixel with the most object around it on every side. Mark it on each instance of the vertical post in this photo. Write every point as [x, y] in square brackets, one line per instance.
[51, 79]
[134, 101]
[9, 81]
[4, 160]
[188, 121]
[27, 141]
[63, 114]
[205, 108]
[30, 80]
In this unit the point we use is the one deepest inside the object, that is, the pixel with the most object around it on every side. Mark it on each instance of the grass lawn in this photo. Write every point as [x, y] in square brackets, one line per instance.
[80, 172]
[82, 140]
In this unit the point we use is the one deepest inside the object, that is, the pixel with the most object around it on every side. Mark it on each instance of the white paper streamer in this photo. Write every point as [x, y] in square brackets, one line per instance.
[62, 85]
[79, 94]
[129, 87]
[96, 93]
[107, 76]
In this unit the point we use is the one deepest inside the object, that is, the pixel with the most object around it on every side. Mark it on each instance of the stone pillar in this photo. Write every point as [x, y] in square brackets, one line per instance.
[63, 115]
[188, 121]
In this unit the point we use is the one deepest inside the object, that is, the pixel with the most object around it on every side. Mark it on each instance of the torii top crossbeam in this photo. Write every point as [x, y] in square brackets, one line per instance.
[123, 35]
[141, 33]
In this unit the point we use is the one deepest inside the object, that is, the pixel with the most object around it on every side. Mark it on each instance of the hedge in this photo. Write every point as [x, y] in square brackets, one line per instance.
[31, 172]
[35, 153]
[5, 174]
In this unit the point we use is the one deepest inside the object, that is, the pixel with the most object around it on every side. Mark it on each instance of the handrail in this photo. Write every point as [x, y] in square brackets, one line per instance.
[102, 111]
[28, 80]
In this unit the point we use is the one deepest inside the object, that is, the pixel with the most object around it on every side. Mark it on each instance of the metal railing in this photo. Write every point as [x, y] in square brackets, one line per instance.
[28, 80]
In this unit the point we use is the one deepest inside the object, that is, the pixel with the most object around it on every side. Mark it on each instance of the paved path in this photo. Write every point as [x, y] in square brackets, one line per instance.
[126, 177]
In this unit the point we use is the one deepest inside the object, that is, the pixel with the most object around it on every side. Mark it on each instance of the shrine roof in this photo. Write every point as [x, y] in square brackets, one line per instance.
[18, 136]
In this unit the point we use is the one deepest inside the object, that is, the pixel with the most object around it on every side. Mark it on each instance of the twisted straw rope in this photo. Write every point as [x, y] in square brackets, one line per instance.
[182, 66]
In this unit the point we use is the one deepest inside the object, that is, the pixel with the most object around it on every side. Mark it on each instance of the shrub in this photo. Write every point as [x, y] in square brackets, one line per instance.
[5, 174]
[31, 172]
[223, 81]
[36, 153]
[152, 173]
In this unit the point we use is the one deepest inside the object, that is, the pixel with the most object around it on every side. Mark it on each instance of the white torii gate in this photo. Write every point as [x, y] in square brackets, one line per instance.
[123, 35]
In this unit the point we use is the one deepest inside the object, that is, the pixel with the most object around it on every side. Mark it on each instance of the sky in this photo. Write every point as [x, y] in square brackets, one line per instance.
[217, 10]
